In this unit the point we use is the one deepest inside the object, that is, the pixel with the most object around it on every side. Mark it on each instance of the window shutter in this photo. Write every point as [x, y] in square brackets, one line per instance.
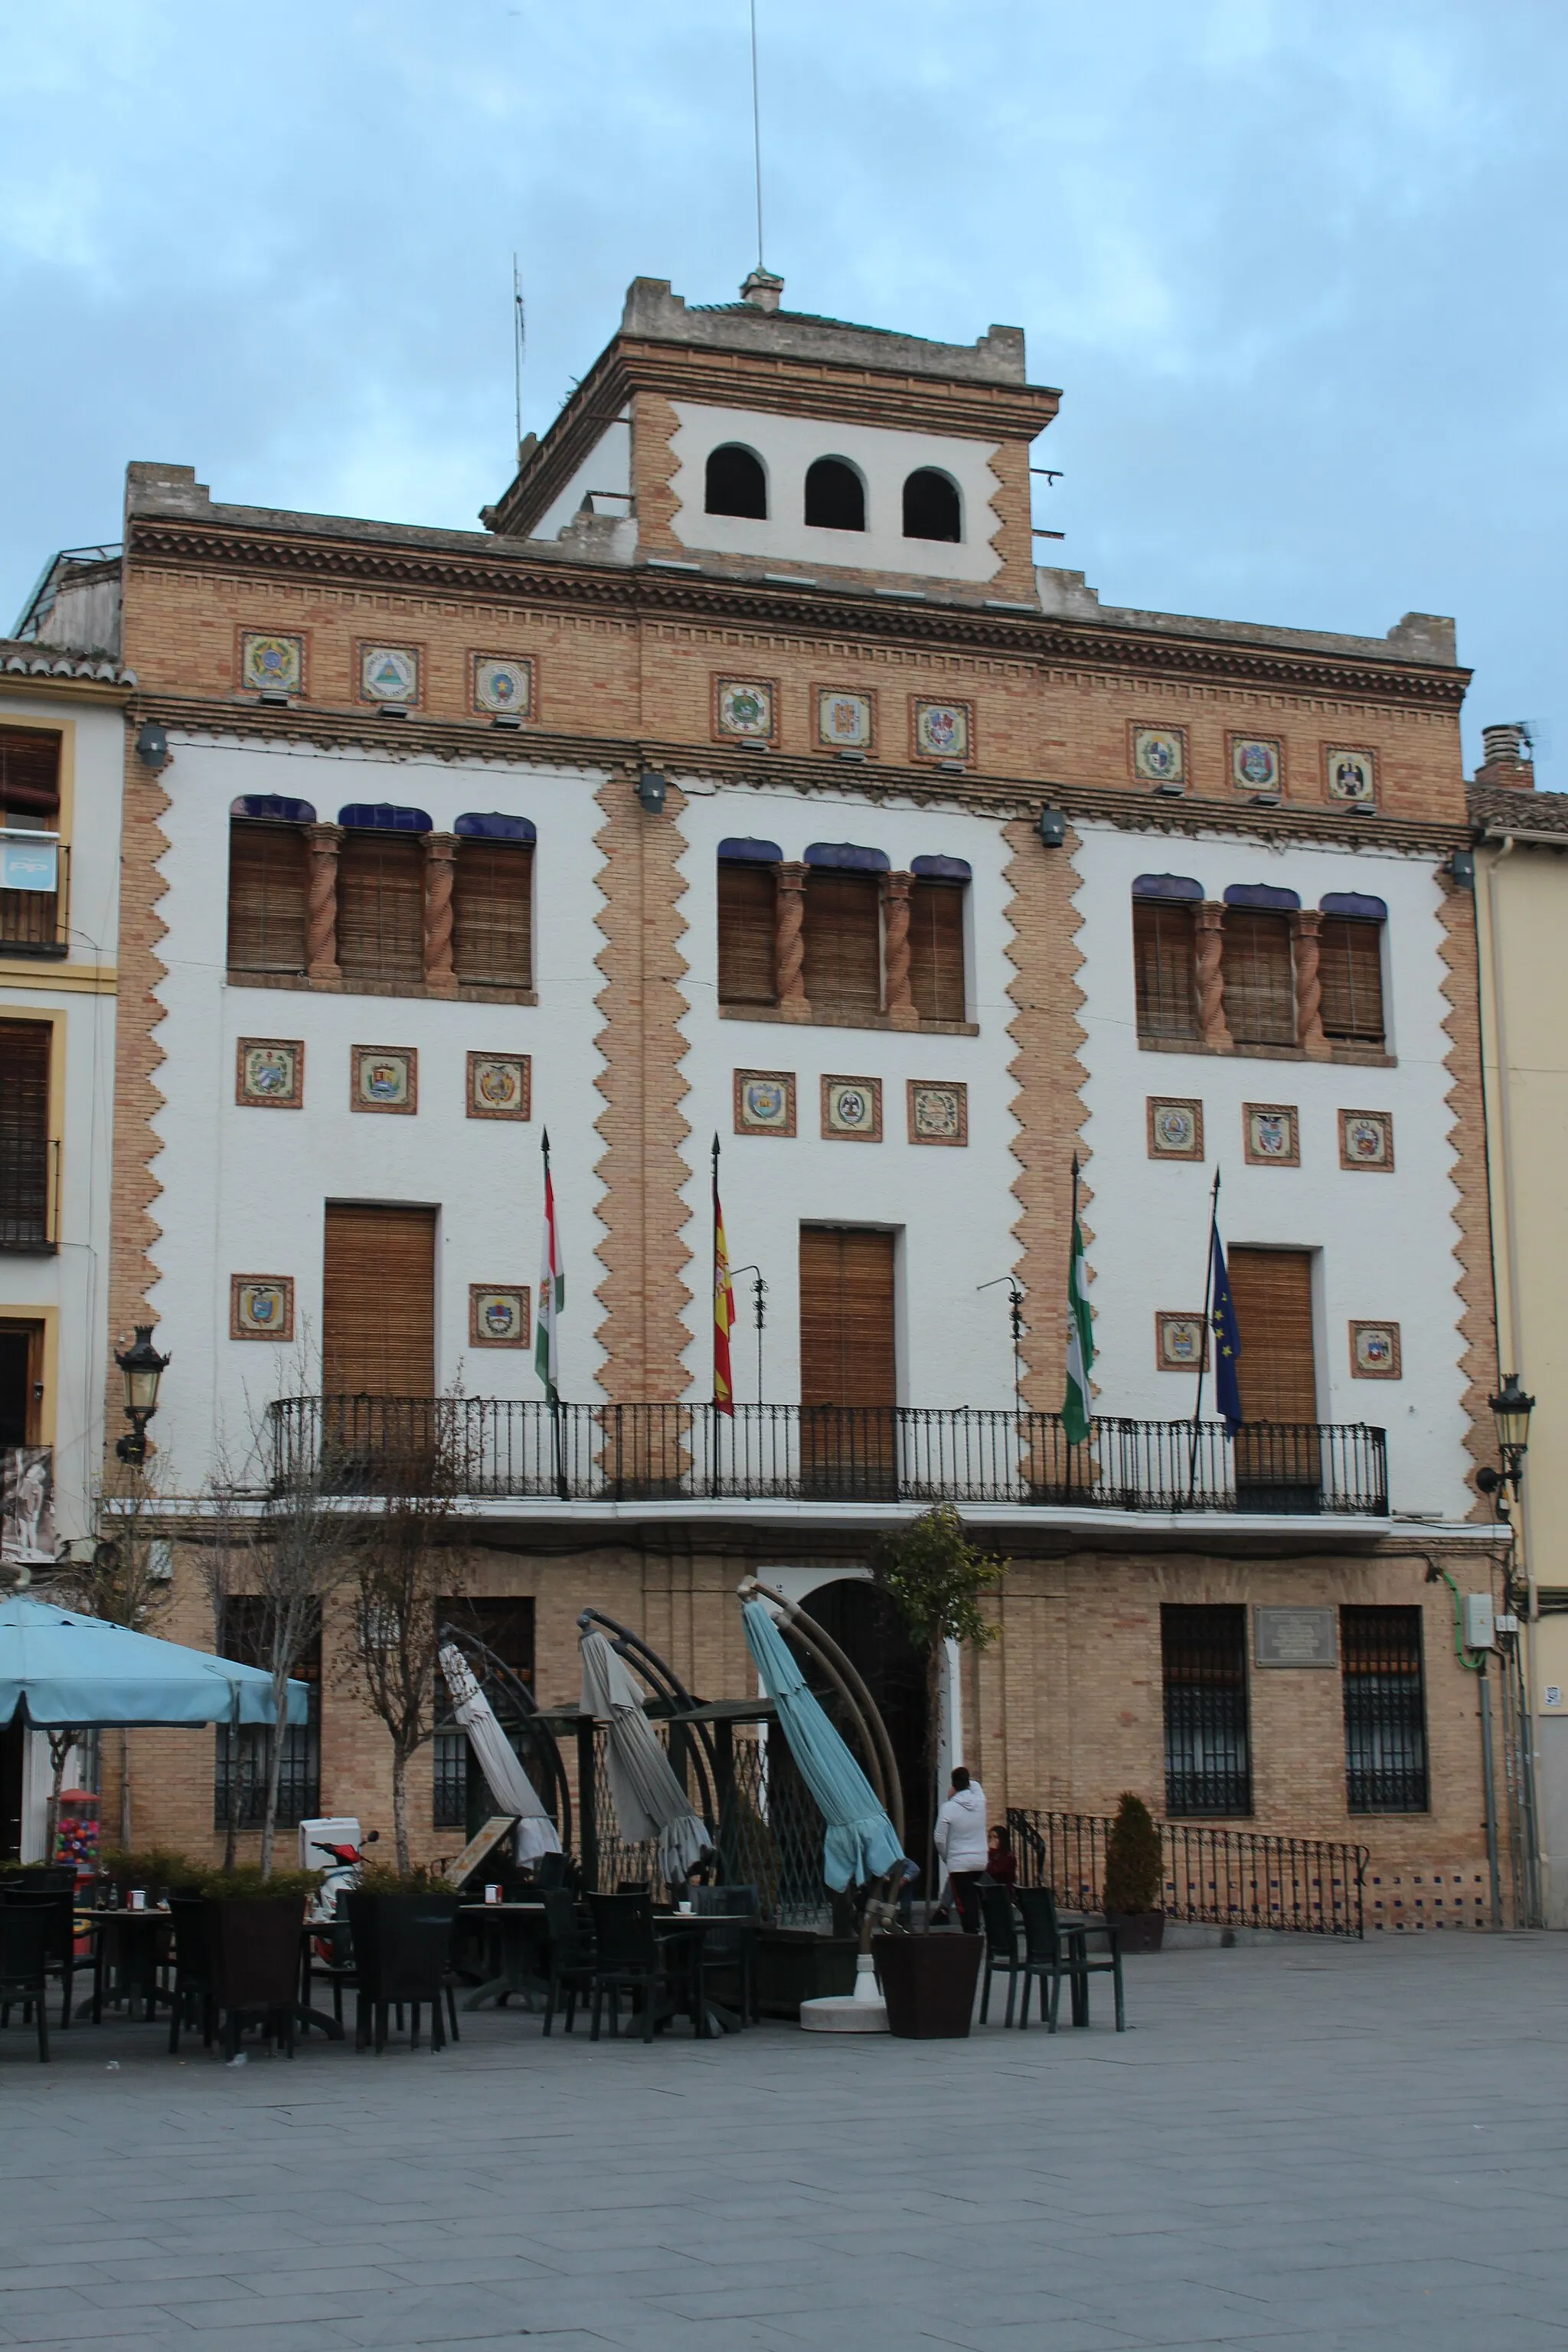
[492, 913]
[267, 886]
[1272, 1291]
[843, 941]
[30, 777]
[25, 1134]
[1349, 966]
[1164, 960]
[748, 928]
[846, 1344]
[1260, 977]
[380, 909]
[936, 950]
[378, 1301]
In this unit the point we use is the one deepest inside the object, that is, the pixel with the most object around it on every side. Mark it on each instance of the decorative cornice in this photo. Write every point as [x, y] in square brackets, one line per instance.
[1127, 808]
[824, 610]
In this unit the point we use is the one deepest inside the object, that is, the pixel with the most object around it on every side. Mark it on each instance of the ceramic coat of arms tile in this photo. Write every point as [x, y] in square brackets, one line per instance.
[1179, 1342]
[938, 1111]
[1271, 1134]
[270, 665]
[1175, 1128]
[942, 730]
[764, 1102]
[1366, 1140]
[1375, 1351]
[852, 1109]
[269, 1073]
[389, 674]
[504, 683]
[1160, 754]
[1349, 775]
[499, 1086]
[260, 1307]
[1256, 765]
[497, 1315]
[845, 722]
[386, 1077]
[744, 709]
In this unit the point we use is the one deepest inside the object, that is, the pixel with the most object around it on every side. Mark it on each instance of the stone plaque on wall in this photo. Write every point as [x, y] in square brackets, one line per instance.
[1294, 1637]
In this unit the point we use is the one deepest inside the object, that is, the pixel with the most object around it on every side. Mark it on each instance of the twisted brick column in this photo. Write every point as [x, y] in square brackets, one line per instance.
[1305, 925]
[1212, 1025]
[789, 946]
[321, 906]
[902, 1012]
[440, 851]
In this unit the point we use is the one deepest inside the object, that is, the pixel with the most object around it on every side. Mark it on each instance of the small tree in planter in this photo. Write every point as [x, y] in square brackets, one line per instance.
[402, 1922]
[1132, 1886]
[253, 1925]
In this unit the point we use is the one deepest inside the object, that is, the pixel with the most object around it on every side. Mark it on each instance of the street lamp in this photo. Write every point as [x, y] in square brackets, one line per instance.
[1511, 1410]
[141, 1367]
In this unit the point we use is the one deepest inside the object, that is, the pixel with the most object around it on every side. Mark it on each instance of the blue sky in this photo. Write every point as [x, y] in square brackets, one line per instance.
[1296, 264]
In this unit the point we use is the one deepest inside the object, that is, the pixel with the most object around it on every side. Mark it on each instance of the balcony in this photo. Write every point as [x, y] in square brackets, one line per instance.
[35, 895]
[503, 1449]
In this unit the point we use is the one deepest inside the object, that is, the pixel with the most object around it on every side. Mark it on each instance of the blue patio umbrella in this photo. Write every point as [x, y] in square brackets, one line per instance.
[861, 1843]
[59, 1670]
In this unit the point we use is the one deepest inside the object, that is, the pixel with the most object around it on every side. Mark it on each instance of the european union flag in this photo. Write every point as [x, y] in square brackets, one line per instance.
[1226, 1344]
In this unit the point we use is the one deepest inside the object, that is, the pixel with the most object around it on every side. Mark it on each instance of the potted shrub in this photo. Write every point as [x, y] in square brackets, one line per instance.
[934, 1577]
[253, 1944]
[1132, 1890]
[402, 1924]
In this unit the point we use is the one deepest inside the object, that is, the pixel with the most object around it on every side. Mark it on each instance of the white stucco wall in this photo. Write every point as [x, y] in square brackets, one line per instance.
[244, 1189]
[607, 467]
[952, 1210]
[787, 445]
[1385, 1242]
[72, 1285]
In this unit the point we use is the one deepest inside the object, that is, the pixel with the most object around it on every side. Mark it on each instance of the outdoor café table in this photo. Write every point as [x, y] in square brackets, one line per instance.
[672, 1926]
[131, 1947]
[513, 1947]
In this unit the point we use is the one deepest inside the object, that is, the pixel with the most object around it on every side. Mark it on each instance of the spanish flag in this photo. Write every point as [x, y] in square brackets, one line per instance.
[723, 1305]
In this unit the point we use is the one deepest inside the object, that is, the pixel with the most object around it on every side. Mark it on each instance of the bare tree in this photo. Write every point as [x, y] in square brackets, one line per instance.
[305, 1547]
[124, 1581]
[223, 1556]
[401, 1580]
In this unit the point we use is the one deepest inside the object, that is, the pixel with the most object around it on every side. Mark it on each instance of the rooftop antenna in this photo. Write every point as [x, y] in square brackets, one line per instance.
[519, 346]
[757, 137]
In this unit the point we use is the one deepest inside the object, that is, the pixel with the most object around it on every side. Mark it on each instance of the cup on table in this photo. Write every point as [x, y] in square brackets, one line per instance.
[495, 1894]
[136, 1898]
[684, 1909]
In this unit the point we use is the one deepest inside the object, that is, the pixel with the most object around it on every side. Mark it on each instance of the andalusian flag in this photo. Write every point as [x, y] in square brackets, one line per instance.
[723, 1305]
[551, 1288]
[1081, 1333]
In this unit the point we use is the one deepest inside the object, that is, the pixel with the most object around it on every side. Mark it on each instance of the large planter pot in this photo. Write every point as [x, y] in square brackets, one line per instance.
[1138, 1931]
[253, 1943]
[928, 1983]
[796, 1964]
[403, 1943]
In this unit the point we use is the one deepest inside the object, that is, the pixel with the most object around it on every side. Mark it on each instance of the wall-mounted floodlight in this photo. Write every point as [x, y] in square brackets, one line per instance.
[650, 790]
[1460, 868]
[152, 745]
[1052, 828]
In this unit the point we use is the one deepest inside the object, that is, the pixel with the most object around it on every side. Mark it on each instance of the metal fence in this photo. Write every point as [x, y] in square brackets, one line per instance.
[510, 1447]
[1222, 1878]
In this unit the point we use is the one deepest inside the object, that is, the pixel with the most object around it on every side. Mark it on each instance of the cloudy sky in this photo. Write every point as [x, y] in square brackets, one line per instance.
[1297, 263]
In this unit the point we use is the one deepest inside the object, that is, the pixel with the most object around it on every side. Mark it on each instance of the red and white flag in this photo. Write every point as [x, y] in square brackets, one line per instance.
[551, 1288]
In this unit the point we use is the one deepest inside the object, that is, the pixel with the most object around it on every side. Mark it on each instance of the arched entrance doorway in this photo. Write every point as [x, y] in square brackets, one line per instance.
[858, 1616]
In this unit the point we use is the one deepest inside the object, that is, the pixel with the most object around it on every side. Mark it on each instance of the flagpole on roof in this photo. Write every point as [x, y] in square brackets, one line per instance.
[1204, 1335]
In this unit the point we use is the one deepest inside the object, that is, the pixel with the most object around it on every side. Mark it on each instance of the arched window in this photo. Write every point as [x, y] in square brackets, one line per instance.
[492, 900]
[736, 483]
[930, 506]
[835, 496]
[269, 882]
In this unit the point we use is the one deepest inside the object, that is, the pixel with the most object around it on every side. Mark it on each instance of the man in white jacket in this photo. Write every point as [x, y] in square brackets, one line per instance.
[960, 1841]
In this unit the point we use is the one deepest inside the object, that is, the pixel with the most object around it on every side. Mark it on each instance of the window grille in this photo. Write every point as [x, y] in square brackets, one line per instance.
[1385, 1710]
[243, 1752]
[1208, 1758]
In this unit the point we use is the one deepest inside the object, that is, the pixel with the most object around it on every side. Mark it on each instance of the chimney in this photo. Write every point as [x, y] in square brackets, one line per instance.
[1509, 757]
[763, 290]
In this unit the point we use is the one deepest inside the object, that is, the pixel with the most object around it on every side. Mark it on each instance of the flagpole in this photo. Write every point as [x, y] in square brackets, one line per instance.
[551, 1389]
[1204, 1335]
[713, 1415]
[1072, 1246]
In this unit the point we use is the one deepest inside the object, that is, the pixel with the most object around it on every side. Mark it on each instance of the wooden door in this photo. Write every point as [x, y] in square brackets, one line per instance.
[1272, 1291]
[848, 1364]
[378, 1334]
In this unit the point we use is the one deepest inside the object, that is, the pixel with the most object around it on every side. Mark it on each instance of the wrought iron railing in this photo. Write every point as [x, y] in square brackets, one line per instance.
[36, 922]
[1222, 1878]
[509, 1448]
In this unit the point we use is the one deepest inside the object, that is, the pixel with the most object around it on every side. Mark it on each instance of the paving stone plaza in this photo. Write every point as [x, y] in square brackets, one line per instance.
[1300, 2145]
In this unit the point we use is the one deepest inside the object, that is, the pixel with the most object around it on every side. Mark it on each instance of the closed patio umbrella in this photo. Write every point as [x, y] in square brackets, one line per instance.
[650, 1801]
[58, 1669]
[861, 1843]
[508, 1784]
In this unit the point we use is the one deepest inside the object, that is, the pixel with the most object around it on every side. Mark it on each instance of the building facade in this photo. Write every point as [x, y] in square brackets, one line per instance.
[63, 696]
[745, 779]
